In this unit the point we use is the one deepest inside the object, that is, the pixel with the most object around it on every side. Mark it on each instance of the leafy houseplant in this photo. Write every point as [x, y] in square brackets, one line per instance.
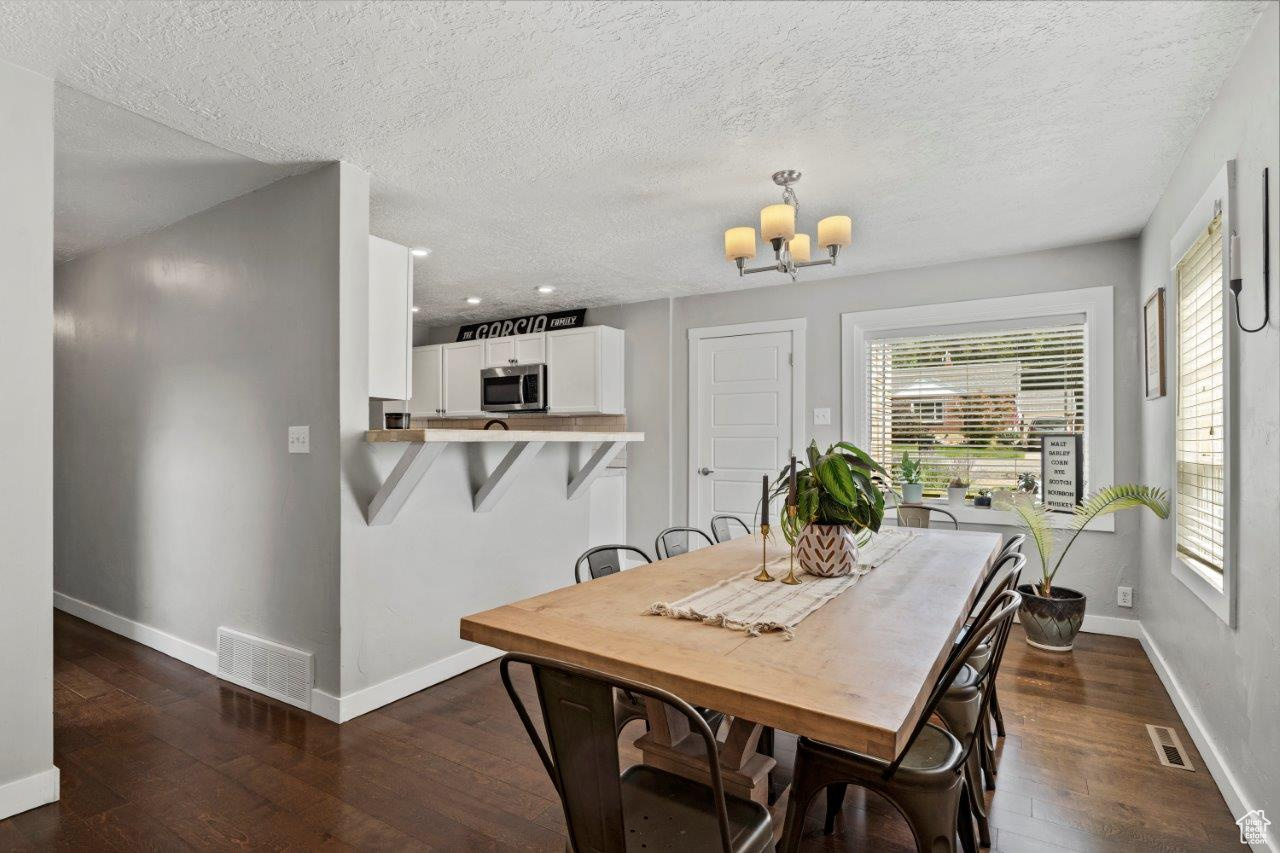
[911, 477]
[1052, 615]
[837, 496]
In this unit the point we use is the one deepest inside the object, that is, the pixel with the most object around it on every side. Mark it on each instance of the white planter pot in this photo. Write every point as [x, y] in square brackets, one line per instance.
[912, 493]
[955, 495]
[827, 550]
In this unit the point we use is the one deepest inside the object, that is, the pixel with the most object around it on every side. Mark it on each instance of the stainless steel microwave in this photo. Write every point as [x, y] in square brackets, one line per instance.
[518, 388]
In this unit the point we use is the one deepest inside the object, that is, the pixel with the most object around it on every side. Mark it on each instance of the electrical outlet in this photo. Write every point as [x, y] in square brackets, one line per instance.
[1124, 596]
[821, 417]
[299, 439]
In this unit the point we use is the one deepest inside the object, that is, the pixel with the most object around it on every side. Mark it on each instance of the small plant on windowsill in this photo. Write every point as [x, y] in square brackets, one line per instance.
[957, 489]
[1052, 615]
[911, 479]
[983, 499]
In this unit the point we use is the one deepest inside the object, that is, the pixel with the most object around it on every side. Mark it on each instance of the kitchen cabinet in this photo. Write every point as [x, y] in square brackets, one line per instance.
[428, 382]
[461, 364]
[585, 371]
[515, 349]
[390, 320]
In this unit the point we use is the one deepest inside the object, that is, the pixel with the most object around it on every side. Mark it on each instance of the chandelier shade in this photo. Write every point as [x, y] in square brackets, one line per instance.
[798, 246]
[739, 244]
[835, 231]
[778, 222]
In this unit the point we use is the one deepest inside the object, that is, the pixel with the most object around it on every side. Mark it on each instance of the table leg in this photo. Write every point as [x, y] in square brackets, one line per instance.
[670, 745]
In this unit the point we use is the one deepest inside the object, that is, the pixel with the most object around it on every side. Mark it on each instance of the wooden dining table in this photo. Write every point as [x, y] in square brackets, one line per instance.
[856, 674]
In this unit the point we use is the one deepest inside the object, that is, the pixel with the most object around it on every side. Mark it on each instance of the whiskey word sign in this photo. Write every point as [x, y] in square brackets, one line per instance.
[1061, 471]
[548, 322]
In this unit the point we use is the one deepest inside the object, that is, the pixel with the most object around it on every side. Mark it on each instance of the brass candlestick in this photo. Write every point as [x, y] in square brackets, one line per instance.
[791, 571]
[764, 575]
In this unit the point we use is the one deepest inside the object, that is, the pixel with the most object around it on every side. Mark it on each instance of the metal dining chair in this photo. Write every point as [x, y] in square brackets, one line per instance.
[723, 527]
[926, 782]
[1013, 546]
[605, 560]
[646, 807]
[921, 515]
[674, 541]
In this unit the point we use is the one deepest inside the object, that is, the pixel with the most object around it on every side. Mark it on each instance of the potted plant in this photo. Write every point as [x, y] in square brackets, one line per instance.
[956, 490]
[837, 497]
[1028, 483]
[983, 499]
[1052, 615]
[911, 478]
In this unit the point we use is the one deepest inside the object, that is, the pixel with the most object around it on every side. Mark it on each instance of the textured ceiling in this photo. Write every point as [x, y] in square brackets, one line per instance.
[603, 148]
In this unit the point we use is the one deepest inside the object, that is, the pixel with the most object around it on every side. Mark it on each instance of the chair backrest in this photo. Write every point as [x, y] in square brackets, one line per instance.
[995, 617]
[581, 751]
[605, 560]
[1004, 574]
[1014, 545]
[724, 526]
[675, 541]
[920, 515]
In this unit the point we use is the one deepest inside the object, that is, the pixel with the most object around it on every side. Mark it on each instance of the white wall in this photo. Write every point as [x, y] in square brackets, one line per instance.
[182, 357]
[27, 775]
[1230, 679]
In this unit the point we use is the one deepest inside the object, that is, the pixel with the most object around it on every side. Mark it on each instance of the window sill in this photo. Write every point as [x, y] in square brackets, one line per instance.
[1207, 586]
[970, 514]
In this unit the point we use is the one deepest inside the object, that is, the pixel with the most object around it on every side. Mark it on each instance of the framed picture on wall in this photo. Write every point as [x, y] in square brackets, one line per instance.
[1153, 344]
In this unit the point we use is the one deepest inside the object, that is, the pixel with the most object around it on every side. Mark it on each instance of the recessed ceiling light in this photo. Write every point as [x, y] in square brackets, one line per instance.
[419, 252]
[545, 289]
[473, 300]
[415, 309]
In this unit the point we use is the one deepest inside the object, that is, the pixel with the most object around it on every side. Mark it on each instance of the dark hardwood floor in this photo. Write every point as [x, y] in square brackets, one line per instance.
[156, 755]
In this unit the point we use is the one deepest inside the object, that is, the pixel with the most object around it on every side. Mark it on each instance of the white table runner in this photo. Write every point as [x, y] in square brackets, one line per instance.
[743, 604]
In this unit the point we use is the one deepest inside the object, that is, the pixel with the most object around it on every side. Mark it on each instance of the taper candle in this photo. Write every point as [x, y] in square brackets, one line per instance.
[792, 496]
[764, 502]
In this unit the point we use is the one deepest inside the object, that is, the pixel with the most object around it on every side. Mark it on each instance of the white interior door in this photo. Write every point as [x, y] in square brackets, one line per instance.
[745, 408]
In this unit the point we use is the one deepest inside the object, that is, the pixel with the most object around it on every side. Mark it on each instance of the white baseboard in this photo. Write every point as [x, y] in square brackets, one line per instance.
[1214, 763]
[29, 792]
[1112, 626]
[343, 708]
[174, 647]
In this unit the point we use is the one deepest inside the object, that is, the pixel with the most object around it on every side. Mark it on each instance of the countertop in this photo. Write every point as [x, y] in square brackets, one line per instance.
[479, 436]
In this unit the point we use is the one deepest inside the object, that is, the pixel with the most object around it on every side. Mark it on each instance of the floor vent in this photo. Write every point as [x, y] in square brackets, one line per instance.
[278, 671]
[1168, 748]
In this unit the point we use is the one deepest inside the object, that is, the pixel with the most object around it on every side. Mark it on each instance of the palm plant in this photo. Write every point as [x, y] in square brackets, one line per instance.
[840, 486]
[1035, 520]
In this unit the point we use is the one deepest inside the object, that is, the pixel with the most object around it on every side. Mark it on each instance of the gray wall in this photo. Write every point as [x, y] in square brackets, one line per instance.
[1231, 678]
[182, 357]
[26, 439]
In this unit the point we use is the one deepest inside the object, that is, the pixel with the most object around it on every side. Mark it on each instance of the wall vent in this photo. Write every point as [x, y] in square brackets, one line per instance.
[1169, 748]
[278, 671]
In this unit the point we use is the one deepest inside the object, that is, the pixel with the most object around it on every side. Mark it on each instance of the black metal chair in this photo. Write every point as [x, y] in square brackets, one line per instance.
[723, 526]
[921, 515]
[644, 808]
[926, 782]
[674, 541]
[605, 560]
[1013, 546]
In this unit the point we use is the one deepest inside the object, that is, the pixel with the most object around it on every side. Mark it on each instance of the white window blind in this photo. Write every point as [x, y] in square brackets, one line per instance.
[973, 402]
[1200, 423]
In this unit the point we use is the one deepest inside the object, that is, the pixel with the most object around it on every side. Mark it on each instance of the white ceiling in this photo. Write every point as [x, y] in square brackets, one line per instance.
[602, 148]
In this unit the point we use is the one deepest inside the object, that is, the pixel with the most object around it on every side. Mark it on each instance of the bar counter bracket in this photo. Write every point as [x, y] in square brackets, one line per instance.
[423, 447]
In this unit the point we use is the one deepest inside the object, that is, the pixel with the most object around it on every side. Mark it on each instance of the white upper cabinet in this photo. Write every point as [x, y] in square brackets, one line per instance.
[515, 349]
[585, 371]
[462, 363]
[390, 320]
[428, 382]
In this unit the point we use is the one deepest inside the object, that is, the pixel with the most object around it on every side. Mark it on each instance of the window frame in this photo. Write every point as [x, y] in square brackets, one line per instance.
[1095, 303]
[1217, 593]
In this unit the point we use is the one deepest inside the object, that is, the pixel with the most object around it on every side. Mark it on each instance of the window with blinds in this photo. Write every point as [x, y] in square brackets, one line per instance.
[973, 402]
[1200, 422]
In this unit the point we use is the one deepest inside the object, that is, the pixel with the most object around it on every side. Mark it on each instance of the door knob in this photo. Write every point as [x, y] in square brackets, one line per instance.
[705, 471]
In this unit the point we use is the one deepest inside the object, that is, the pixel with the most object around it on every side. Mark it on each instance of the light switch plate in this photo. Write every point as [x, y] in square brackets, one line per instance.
[299, 439]
[822, 417]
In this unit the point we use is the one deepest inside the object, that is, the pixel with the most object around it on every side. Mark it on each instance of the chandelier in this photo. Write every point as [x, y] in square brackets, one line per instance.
[778, 227]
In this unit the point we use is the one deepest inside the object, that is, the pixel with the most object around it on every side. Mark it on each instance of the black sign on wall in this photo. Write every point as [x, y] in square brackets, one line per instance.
[548, 322]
